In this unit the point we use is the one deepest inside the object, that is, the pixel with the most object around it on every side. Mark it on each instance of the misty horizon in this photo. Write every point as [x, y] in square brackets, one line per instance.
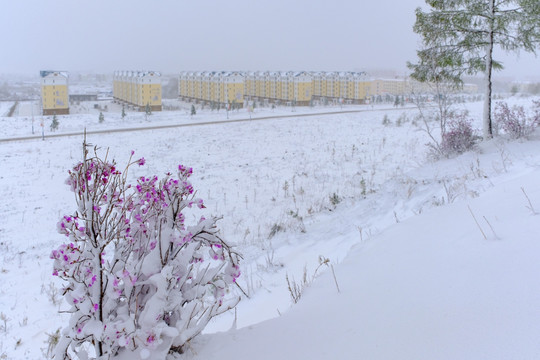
[173, 36]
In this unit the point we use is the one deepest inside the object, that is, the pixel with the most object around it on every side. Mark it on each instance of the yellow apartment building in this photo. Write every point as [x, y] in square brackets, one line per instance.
[279, 87]
[148, 90]
[398, 86]
[140, 89]
[249, 84]
[362, 88]
[233, 88]
[319, 85]
[188, 85]
[302, 88]
[218, 87]
[342, 87]
[290, 87]
[189, 88]
[54, 92]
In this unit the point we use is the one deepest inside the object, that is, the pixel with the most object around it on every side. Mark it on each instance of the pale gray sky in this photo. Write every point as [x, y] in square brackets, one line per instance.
[175, 35]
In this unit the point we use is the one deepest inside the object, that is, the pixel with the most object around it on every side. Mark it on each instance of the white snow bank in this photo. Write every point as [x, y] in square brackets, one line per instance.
[431, 287]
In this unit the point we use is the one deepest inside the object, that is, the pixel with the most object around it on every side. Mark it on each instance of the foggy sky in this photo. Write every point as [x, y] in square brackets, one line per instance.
[175, 35]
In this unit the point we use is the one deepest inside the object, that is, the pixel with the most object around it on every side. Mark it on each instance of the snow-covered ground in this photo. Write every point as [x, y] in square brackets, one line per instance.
[430, 287]
[85, 115]
[417, 278]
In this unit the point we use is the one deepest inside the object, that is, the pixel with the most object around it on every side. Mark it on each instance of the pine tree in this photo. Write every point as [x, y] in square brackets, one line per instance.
[123, 112]
[459, 37]
[101, 117]
[54, 123]
[193, 111]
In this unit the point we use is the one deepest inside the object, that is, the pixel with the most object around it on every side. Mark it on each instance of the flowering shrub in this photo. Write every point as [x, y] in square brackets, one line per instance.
[514, 121]
[140, 282]
[459, 135]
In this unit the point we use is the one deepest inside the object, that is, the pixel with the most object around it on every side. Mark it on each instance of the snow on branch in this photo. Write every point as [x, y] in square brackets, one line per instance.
[139, 281]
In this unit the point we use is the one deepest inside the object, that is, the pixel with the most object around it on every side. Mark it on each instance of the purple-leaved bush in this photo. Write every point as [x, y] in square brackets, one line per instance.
[514, 121]
[459, 135]
[139, 281]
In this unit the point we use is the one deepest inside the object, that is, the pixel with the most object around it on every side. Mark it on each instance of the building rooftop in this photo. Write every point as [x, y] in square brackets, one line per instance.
[45, 73]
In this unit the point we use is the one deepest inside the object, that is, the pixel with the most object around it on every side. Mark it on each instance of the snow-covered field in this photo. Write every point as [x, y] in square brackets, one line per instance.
[417, 278]
[86, 116]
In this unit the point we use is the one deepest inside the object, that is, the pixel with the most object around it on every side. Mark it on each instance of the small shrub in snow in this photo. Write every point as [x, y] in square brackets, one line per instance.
[459, 136]
[140, 281]
[296, 289]
[52, 341]
[402, 119]
[276, 228]
[514, 121]
[54, 123]
[335, 199]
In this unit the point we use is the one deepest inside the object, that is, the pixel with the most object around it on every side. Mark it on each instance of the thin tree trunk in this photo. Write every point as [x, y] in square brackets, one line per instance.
[487, 126]
[99, 265]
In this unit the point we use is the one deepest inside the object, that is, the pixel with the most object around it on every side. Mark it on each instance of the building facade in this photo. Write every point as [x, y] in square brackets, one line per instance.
[292, 88]
[139, 89]
[303, 87]
[54, 92]
[213, 87]
[342, 87]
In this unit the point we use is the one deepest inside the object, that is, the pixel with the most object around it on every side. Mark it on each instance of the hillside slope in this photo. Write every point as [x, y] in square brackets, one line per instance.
[430, 287]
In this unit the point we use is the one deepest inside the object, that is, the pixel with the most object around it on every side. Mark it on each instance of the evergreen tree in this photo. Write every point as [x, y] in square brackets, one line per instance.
[54, 123]
[193, 111]
[459, 37]
[123, 112]
[386, 120]
[101, 117]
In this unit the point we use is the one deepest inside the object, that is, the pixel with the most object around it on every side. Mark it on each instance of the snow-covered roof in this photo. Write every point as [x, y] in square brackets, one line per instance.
[136, 73]
[284, 75]
[45, 73]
